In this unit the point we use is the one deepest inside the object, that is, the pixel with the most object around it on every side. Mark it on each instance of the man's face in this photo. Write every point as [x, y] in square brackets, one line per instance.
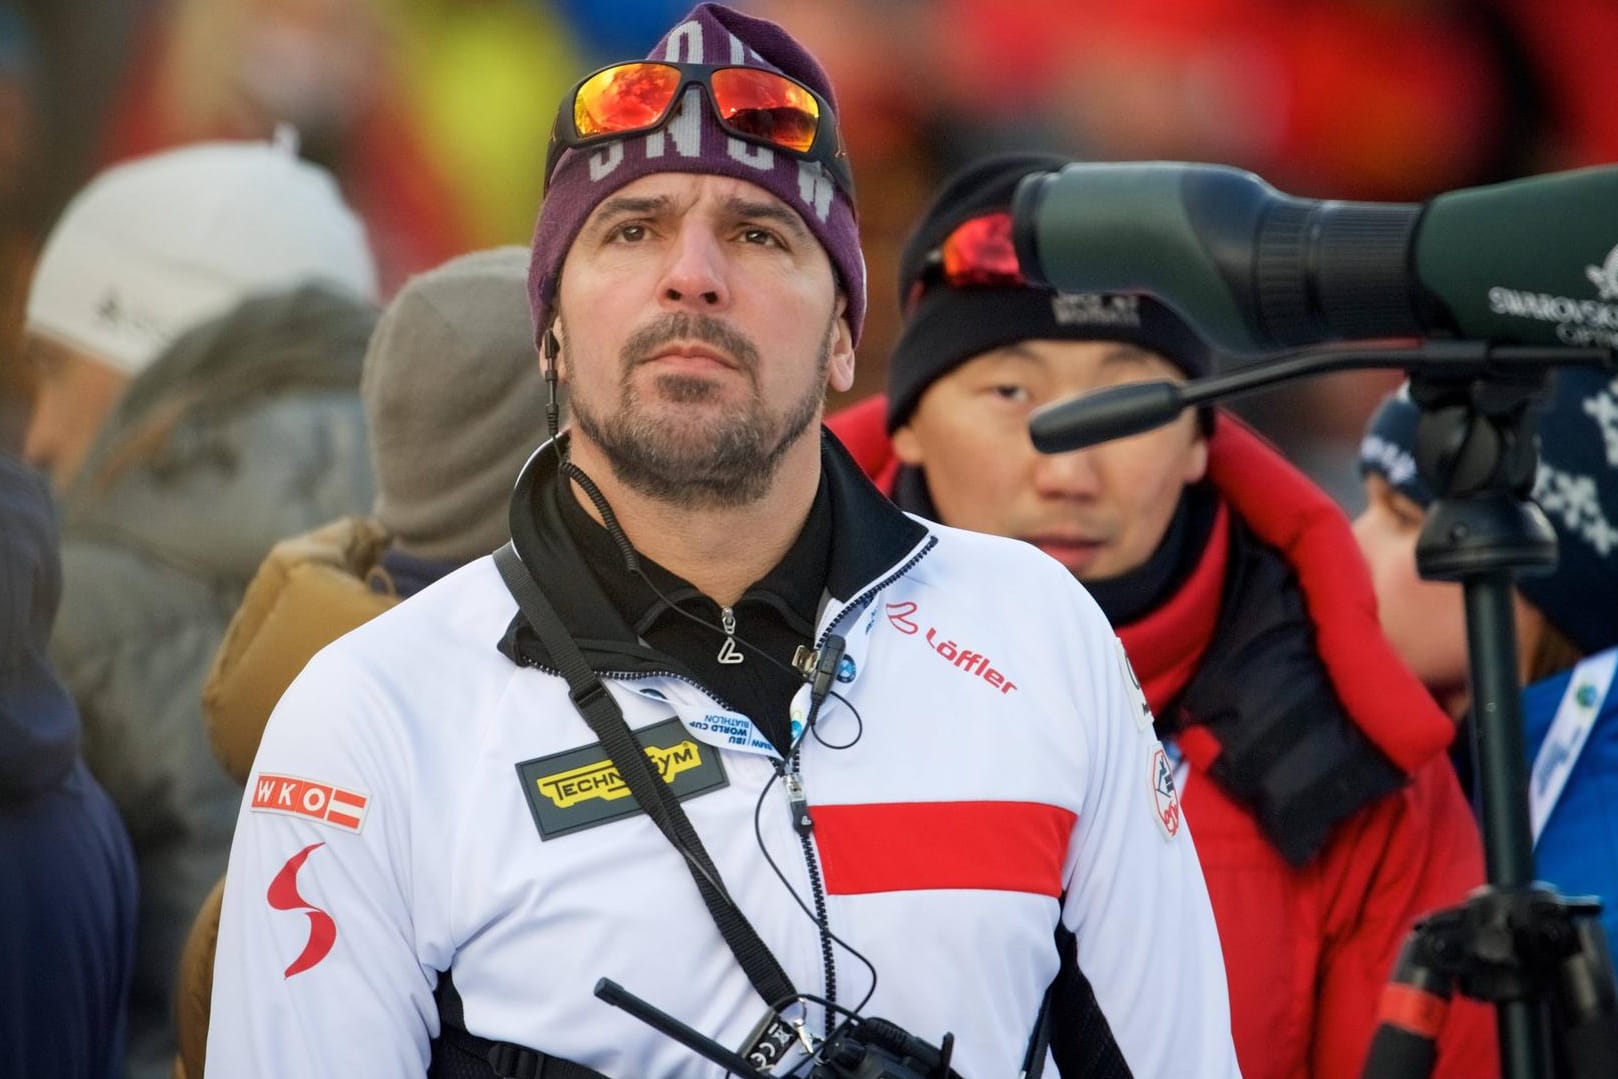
[75, 394]
[1099, 511]
[701, 325]
[1424, 620]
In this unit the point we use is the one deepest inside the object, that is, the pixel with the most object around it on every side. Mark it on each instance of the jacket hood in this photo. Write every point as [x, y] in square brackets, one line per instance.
[39, 727]
[246, 430]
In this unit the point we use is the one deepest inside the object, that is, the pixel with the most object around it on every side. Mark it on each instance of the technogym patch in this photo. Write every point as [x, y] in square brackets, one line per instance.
[581, 788]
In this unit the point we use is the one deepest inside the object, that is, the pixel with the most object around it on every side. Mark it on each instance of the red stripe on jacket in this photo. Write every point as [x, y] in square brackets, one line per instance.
[912, 846]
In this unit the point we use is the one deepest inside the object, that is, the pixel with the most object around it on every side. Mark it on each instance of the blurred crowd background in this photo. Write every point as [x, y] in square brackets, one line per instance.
[434, 114]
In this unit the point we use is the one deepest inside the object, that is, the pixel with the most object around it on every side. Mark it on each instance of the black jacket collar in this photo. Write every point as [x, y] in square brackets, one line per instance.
[793, 587]
[869, 538]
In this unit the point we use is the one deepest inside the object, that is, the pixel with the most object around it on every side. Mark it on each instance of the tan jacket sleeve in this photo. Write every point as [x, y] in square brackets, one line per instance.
[310, 590]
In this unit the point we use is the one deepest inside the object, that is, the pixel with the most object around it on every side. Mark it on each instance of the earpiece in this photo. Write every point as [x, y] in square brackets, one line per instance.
[549, 348]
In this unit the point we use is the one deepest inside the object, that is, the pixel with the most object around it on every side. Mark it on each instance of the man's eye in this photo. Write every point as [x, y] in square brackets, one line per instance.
[632, 232]
[1008, 392]
[761, 236]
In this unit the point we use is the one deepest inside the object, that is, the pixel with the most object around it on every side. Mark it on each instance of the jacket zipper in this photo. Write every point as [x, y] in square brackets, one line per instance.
[858, 601]
[798, 801]
[804, 825]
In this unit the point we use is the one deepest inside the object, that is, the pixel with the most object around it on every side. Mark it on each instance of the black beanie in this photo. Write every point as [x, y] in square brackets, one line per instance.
[948, 326]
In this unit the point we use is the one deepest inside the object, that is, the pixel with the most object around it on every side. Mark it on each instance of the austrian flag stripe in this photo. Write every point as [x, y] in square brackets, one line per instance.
[323, 802]
[916, 846]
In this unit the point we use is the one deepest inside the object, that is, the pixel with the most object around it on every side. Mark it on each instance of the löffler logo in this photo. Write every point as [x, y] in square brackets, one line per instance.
[899, 614]
[283, 895]
[965, 659]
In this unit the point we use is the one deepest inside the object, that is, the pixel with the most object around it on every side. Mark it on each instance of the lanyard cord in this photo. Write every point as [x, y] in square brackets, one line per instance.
[606, 721]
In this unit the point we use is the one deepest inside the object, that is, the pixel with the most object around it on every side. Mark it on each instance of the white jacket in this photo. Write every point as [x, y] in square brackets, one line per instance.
[997, 757]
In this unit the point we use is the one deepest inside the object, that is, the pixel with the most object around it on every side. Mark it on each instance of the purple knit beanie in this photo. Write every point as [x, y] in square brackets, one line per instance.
[693, 141]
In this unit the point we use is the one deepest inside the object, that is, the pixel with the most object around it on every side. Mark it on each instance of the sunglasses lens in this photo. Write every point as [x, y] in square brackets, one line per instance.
[625, 97]
[980, 252]
[765, 106]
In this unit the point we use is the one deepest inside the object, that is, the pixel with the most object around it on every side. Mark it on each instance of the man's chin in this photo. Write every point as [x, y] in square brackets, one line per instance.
[1083, 560]
[715, 387]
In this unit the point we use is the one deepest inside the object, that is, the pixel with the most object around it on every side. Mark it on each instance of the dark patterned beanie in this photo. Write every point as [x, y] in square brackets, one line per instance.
[1576, 485]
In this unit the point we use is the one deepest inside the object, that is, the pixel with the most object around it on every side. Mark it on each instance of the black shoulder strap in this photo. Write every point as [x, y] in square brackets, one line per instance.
[606, 721]
[460, 1054]
[1081, 1040]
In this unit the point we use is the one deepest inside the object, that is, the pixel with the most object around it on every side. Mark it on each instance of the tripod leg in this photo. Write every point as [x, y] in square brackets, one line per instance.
[1586, 1007]
[1414, 1004]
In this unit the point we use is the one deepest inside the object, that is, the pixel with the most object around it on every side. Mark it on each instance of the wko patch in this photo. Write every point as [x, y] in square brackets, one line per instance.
[581, 788]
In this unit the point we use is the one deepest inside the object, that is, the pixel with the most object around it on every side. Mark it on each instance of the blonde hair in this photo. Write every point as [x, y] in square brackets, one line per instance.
[1552, 654]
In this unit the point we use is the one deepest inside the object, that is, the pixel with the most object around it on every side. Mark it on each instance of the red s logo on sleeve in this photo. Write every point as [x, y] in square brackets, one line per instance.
[283, 895]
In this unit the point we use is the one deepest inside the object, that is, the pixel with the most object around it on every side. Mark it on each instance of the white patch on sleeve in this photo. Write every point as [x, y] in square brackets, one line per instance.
[1165, 796]
[1143, 716]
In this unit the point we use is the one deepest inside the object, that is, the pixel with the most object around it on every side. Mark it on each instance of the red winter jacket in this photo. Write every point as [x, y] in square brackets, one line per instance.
[1308, 948]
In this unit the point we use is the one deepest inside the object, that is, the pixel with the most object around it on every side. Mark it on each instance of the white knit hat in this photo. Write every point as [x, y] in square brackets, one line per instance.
[160, 244]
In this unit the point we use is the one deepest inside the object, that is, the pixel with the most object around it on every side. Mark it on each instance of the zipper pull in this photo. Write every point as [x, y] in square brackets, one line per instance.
[798, 803]
[728, 652]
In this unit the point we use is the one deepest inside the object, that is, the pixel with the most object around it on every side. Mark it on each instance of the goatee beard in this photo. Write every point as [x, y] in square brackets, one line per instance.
[721, 462]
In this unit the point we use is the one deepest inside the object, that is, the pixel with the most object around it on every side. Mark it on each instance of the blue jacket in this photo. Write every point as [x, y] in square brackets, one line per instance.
[1577, 847]
[67, 887]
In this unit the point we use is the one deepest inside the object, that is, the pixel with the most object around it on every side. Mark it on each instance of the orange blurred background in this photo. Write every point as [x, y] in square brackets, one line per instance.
[434, 114]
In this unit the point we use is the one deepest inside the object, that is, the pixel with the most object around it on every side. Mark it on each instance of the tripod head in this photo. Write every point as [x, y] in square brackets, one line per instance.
[1475, 445]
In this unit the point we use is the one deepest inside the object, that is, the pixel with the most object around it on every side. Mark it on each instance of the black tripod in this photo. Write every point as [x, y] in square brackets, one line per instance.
[1540, 958]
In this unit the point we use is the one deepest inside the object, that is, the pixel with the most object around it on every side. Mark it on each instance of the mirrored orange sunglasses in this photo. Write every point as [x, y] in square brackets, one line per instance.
[761, 106]
[977, 253]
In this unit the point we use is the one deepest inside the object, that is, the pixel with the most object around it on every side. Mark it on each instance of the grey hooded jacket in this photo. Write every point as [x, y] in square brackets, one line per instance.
[246, 430]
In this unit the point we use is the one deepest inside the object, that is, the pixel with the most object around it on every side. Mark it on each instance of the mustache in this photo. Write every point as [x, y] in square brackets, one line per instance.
[646, 342]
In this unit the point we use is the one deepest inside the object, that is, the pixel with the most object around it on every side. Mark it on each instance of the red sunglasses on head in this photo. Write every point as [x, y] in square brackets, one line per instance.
[752, 103]
[978, 253]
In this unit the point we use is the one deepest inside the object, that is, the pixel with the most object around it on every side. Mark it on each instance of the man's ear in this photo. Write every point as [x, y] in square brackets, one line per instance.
[907, 446]
[1196, 462]
[840, 365]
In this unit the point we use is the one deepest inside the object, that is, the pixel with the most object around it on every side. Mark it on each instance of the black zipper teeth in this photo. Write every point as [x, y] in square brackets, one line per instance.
[822, 919]
[859, 600]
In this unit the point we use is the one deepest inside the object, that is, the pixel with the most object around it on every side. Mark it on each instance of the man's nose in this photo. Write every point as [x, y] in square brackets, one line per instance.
[1067, 475]
[697, 275]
